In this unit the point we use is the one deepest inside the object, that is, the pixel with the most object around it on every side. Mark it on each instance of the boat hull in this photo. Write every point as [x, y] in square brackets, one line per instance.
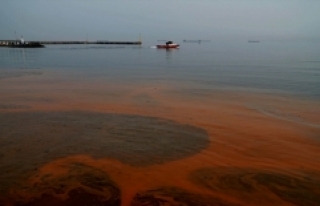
[169, 46]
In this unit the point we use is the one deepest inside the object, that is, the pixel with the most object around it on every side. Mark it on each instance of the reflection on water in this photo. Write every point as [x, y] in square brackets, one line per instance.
[170, 55]
[23, 58]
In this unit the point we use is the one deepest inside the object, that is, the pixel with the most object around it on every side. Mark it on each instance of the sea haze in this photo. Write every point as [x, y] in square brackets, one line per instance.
[285, 20]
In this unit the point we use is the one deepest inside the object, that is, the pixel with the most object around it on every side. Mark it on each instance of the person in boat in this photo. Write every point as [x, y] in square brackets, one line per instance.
[169, 42]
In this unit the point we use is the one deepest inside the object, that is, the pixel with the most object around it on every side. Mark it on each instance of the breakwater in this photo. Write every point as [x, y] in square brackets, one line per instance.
[90, 42]
[18, 42]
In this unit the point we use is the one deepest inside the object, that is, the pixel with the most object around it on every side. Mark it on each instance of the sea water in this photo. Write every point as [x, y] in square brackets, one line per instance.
[288, 67]
[230, 123]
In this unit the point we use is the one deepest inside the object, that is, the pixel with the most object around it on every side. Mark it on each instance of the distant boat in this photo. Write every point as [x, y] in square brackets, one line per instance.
[168, 45]
[253, 41]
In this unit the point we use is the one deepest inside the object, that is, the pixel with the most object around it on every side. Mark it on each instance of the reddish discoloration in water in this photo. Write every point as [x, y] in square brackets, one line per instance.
[256, 132]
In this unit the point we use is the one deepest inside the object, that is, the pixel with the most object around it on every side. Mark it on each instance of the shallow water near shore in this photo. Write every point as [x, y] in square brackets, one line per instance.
[202, 125]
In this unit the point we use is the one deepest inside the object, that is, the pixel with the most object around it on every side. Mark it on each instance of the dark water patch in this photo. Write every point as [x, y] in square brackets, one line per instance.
[148, 140]
[301, 189]
[14, 106]
[31, 139]
[171, 196]
[82, 184]
[76, 197]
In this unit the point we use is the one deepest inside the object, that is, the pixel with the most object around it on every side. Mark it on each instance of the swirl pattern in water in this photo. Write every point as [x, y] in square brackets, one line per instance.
[77, 184]
[300, 188]
[172, 196]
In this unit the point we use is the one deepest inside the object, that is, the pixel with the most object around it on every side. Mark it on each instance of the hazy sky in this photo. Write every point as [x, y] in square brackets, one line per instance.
[161, 19]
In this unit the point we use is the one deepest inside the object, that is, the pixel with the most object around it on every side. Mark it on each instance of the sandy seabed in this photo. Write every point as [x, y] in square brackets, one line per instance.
[96, 141]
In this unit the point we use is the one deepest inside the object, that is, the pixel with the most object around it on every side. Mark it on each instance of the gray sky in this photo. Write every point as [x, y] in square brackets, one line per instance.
[162, 19]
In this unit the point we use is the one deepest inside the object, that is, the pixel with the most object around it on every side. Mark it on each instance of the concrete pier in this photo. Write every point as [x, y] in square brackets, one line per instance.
[18, 42]
[90, 42]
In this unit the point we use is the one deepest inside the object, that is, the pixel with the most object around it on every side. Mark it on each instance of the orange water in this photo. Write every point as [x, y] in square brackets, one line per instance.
[248, 131]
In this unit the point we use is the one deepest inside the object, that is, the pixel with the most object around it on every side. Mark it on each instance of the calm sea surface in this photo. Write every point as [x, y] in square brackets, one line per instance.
[272, 67]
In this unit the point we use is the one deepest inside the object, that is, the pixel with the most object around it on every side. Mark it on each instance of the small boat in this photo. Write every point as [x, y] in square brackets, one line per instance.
[168, 45]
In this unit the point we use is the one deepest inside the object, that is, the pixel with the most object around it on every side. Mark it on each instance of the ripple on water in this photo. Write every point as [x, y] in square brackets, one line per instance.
[243, 183]
[173, 196]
